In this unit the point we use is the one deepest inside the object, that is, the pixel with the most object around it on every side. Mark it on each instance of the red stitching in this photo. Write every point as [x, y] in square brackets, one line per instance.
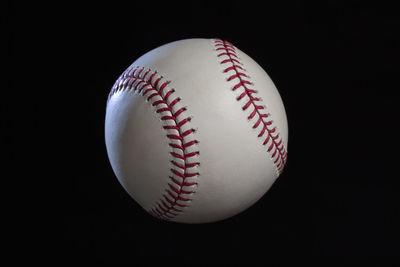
[233, 65]
[142, 81]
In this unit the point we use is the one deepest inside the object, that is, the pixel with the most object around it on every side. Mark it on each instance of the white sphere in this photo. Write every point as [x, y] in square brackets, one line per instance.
[196, 131]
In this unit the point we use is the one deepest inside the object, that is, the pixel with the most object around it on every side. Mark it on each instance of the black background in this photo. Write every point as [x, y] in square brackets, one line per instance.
[336, 68]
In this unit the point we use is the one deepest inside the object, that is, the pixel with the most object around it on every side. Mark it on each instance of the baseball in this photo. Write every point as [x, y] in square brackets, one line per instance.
[195, 131]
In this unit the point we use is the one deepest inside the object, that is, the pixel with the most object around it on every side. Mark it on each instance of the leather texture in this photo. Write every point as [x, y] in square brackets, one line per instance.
[235, 167]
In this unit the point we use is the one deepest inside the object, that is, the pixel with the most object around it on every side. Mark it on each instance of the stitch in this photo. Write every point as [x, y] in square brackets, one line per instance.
[148, 90]
[164, 109]
[151, 77]
[156, 83]
[151, 96]
[178, 197]
[173, 203]
[179, 111]
[267, 139]
[224, 48]
[231, 60]
[192, 154]
[184, 198]
[158, 102]
[176, 181]
[169, 93]
[178, 165]
[143, 81]
[252, 114]
[176, 100]
[144, 76]
[162, 88]
[187, 132]
[190, 143]
[182, 122]
[262, 133]
[140, 71]
[170, 127]
[164, 204]
[233, 65]
[182, 175]
[271, 146]
[171, 194]
[234, 76]
[176, 155]
[257, 123]
[177, 146]
[228, 54]
[248, 104]
[175, 137]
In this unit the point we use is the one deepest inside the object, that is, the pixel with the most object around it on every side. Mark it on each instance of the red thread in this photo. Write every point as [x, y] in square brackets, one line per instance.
[179, 156]
[234, 67]
[182, 122]
[142, 81]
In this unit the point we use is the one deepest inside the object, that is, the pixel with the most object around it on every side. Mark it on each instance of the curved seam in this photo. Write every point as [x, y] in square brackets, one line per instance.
[153, 86]
[276, 147]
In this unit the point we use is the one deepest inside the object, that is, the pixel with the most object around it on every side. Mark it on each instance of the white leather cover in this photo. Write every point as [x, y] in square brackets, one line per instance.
[230, 167]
